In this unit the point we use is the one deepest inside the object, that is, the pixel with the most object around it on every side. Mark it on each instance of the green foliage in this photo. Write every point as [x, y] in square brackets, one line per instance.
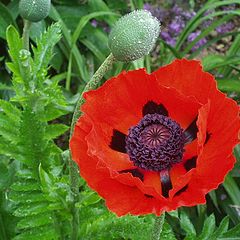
[5, 19]
[98, 223]
[35, 197]
[38, 198]
[209, 230]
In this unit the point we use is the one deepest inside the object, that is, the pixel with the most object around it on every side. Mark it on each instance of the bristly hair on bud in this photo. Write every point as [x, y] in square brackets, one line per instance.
[34, 10]
[134, 35]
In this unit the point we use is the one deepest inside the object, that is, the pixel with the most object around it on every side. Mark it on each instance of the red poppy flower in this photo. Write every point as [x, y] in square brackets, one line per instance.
[152, 143]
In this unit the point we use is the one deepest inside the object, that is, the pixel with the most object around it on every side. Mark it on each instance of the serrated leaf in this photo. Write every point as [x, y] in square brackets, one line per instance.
[26, 197]
[187, 225]
[26, 174]
[32, 142]
[40, 233]
[46, 180]
[51, 112]
[14, 43]
[30, 209]
[167, 232]
[8, 128]
[223, 227]
[6, 148]
[208, 228]
[35, 221]
[90, 198]
[232, 234]
[10, 110]
[43, 51]
[55, 130]
[25, 186]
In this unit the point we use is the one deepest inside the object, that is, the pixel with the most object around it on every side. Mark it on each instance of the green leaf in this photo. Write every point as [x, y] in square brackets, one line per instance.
[232, 234]
[90, 198]
[25, 186]
[4, 176]
[229, 85]
[55, 130]
[172, 49]
[10, 110]
[46, 180]
[4, 86]
[84, 20]
[213, 61]
[232, 189]
[223, 227]
[97, 52]
[80, 61]
[211, 42]
[31, 209]
[187, 225]
[35, 221]
[44, 49]
[41, 233]
[32, 137]
[14, 43]
[208, 228]
[205, 32]
[29, 197]
[5, 19]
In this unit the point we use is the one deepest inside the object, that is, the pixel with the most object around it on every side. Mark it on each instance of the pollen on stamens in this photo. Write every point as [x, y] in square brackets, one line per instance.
[155, 143]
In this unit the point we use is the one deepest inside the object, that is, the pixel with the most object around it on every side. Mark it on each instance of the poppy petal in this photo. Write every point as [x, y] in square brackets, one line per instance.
[187, 95]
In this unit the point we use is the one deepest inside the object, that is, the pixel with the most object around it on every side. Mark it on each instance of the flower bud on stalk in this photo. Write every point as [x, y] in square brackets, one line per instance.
[134, 35]
[34, 10]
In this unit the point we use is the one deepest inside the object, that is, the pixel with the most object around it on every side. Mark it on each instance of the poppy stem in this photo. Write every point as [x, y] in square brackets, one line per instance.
[73, 169]
[25, 36]
[158, 225]
[92, 84]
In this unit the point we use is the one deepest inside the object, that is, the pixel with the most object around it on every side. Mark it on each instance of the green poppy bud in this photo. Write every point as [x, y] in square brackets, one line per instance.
[34, 10]
[134, 35]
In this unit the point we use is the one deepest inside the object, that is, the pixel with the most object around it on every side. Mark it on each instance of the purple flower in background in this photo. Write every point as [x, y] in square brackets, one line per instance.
[177, 25]
[148, 7]
[167, 38]
[100, 24]
[224, 28]
[94, 23]
[157, 12]
[188, 14]
[177, 10]
[174, 20]
[229, 7]
[200, 43]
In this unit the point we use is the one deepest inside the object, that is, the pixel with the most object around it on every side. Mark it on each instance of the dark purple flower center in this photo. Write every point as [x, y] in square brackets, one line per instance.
[155, 143]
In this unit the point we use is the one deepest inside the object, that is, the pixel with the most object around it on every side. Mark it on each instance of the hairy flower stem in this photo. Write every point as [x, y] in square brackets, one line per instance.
[73, 170]
[25, 37]
[92, 84]
[158, 225]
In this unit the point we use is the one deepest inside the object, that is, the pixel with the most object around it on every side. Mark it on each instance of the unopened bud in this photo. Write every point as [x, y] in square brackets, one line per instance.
[34, 10]
[134, 35]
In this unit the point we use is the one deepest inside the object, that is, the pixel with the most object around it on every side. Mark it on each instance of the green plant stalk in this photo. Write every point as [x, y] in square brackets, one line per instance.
[73, 170]
[92, 84]
[25, 37]
[158, 225]
[3, 232]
